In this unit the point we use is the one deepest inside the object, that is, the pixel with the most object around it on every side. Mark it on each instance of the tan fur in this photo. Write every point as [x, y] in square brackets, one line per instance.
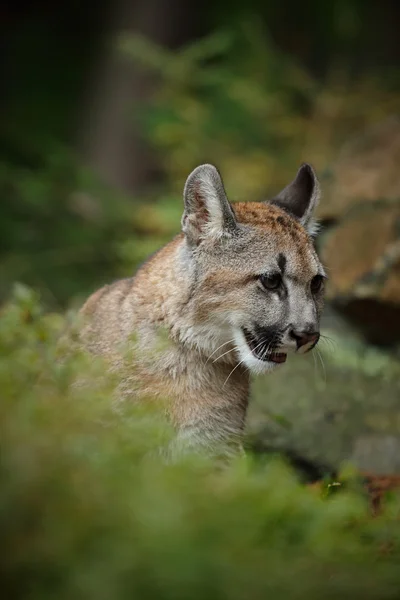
[183, 309]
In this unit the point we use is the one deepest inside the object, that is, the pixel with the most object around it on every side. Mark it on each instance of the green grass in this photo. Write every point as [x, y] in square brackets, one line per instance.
[89, 510]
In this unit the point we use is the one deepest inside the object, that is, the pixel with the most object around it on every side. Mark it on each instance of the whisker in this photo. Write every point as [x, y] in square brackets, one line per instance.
[267, 350]
[327, 337]
[329, 345]
[315, 365]
[329, 342]
[263, 341]
[322, 363]
[234, 369]
[219, 347]
[224, 354]
[258, 345]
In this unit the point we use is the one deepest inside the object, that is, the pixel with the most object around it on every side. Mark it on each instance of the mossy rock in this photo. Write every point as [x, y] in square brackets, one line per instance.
[342, 406]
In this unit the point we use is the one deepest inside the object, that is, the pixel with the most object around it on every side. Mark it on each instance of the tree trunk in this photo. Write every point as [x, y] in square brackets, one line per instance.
[112, 139]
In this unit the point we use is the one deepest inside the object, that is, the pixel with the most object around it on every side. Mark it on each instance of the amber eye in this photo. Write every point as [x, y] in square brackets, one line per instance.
[316, 284]
[271, 282]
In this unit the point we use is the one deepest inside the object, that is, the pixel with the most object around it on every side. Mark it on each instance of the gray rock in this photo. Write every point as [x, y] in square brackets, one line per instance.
[377, 453]
[346, 410]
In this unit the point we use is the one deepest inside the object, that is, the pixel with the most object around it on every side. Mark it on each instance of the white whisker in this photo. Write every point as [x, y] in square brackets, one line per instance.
[234, 369]
[330, 343]
[224, 354]
[270, 345]
[315, 365]
[322, 364]
[219, 347]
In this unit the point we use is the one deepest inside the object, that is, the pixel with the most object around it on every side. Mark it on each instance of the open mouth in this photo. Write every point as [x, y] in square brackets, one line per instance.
[261, 348]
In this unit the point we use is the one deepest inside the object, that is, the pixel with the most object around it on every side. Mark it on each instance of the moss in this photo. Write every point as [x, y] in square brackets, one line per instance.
[88, 510]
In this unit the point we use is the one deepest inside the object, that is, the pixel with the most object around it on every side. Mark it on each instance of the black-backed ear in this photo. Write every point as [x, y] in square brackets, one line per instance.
[301, 197]
[207, 210]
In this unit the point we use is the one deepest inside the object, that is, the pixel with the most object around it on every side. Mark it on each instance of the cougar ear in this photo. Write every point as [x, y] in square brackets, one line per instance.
[208, 212]
[301, 197]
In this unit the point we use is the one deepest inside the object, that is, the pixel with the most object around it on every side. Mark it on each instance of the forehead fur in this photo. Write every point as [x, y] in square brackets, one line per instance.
[272, 219]
[273, 233]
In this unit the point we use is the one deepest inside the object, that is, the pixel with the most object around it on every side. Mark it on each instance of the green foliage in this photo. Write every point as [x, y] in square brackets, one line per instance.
[88, 509]
[65, 233]
[230, 98]
[54, 232]
[234, 99]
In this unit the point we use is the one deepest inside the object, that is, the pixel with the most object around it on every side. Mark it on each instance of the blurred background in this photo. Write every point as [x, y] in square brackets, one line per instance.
[107, 106]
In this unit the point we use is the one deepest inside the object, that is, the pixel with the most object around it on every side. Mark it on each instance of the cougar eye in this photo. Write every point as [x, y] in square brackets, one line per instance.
[316, 283]
[270, 282]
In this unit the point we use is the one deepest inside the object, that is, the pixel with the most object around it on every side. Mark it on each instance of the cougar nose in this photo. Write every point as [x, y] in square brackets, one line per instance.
[305, 340]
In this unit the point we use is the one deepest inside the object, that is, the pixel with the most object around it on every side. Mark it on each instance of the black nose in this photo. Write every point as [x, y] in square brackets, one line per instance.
[304, 338]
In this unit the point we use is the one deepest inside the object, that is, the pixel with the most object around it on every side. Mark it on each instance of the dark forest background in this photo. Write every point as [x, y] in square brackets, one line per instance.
[106, 106]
